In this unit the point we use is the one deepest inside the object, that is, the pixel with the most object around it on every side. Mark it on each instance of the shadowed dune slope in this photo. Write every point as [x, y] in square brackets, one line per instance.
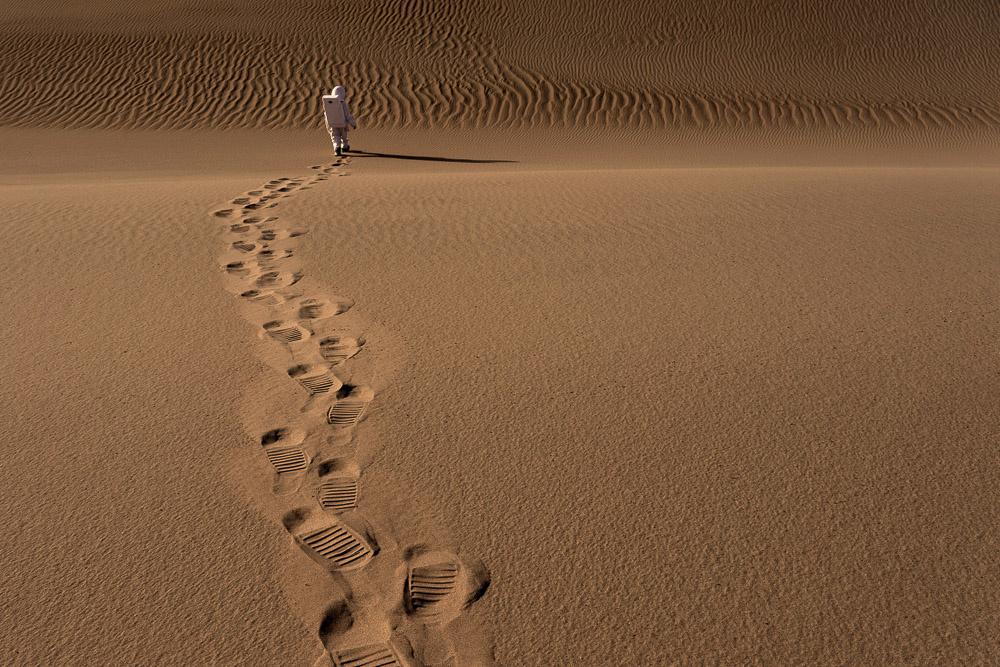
[732, 66]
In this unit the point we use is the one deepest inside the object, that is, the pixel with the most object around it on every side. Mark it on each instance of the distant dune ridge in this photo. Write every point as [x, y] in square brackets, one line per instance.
[732, 65]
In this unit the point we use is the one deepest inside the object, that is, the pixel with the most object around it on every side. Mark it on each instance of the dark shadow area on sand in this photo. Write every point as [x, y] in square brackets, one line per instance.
[425, 158]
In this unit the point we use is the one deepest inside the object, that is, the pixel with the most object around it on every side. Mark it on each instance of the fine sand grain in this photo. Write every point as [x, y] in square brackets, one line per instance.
[637, 334]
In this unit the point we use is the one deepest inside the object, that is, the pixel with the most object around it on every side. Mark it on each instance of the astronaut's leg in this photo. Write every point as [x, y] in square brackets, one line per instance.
[338, 140]
[347, 142]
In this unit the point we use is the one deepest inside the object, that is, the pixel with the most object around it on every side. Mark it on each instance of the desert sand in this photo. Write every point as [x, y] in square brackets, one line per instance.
[629, 334]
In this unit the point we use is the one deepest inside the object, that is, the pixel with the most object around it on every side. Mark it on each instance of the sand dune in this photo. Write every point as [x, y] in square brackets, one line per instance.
[572, 363]
[735, 66]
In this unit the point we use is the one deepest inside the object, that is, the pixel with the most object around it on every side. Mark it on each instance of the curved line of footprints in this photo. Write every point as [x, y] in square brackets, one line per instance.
[313, 459]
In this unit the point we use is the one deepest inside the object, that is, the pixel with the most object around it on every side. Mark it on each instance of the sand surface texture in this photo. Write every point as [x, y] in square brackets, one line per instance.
[637, 333]
[735, 65]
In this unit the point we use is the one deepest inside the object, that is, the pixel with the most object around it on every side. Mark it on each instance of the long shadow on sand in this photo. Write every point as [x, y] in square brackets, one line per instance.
[426, 158]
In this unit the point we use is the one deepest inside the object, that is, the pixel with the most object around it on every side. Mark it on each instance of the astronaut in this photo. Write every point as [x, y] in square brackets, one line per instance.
[338, 119]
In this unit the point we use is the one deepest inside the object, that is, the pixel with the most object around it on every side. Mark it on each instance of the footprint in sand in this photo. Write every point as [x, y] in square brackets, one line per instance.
[271, 234]
[246, 247]
[338, 349]
[274, 255]
[324, 172]
[350, 405]
[316, 379]
[439, 585]
[357, 632]
[270, 260]
[250, 227]
[429, 588]
[373, 655]
[330, 542]
[240, 229]
[267, 297]
[284, 451]
[277, 279]
[312, 309]
[239, 269]
[262, 297]
[286, 332]
[339, 494]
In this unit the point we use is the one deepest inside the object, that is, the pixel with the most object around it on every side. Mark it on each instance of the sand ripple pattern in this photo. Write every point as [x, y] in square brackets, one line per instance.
[314, 456]
[736, 65]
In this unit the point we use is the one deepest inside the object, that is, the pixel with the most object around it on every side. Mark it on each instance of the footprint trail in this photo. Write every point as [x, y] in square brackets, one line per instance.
[400, 605]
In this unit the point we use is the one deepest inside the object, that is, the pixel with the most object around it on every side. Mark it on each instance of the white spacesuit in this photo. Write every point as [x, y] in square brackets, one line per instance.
[338, 118]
